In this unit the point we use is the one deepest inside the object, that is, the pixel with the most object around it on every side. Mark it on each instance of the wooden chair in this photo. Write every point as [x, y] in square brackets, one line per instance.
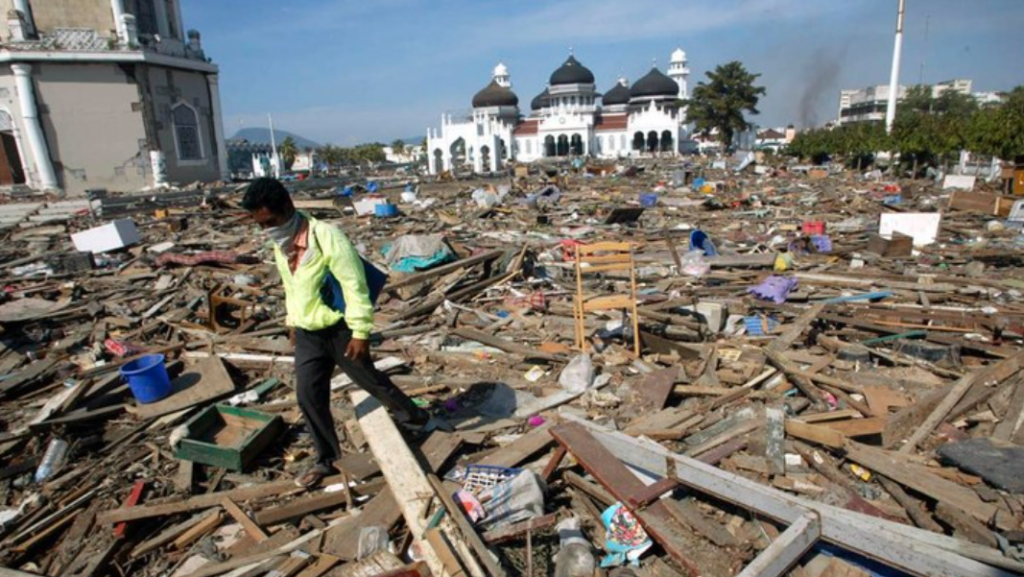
[604, 257]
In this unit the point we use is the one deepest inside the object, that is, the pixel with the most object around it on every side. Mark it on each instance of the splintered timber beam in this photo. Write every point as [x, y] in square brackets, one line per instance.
[626, 487]
[912, 550]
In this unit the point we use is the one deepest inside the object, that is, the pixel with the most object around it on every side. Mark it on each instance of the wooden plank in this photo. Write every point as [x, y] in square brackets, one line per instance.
[506, 345]
[521, 449]
[815, 434]
[186, 473]
[687, 513]
[915, 510]
[793, 331]
[450, 559]
[991, 376]
[920, 479]
[169, 534]
[656, 388]
[300, 507]
[623, 485]
[323, 564]
[1013, 419]
[785, 551]
[254, 530]
[197, 531]
[438, 448]
[857, 427]
[274, 488]
[343, 540]
[466, 529]
[405, 478]
[906, 548]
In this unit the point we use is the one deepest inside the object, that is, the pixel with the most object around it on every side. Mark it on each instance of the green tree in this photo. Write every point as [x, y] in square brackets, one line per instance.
[288, 151]
[998, 130]
[721, 102]
[398, 147]
[918, 98]
[330, 155]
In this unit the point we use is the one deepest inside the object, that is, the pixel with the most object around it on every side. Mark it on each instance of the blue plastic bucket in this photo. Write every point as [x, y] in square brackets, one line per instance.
[385, 210]
[147, 378]
[648, 199]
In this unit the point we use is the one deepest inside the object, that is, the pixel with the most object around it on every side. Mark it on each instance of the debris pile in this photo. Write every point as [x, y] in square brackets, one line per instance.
[829, 381]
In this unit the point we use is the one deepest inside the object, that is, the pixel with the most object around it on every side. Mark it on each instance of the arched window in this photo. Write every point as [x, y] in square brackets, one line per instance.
[186, 132]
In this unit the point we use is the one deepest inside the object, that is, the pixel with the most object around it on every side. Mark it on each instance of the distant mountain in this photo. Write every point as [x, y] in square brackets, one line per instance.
[262, 136]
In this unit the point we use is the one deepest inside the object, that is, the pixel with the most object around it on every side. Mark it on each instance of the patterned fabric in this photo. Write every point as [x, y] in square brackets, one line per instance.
[626, 539]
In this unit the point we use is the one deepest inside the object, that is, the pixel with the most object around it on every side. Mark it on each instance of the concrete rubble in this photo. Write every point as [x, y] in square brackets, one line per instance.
[830, 382]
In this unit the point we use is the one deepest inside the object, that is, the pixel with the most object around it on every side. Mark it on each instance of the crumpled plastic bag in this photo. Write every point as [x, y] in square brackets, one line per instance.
[512, 501]
[626, 540]
[578, 375]
[694, 264]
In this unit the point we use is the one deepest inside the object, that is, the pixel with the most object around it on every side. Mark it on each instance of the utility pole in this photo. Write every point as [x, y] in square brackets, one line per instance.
[274, 161]
[894, 80]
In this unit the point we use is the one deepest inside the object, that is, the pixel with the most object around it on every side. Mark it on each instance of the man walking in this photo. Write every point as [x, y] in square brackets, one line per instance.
[306, 252]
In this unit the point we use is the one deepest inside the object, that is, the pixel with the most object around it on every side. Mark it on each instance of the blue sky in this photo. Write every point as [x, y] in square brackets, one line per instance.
[350, 71]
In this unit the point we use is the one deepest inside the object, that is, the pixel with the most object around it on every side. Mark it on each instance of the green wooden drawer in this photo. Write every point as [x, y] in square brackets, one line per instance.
[228, 437]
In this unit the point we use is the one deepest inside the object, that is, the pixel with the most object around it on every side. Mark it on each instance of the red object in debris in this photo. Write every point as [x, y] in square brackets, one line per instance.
[569, 249]
[133, 499]
[121, 348]
[814, 227]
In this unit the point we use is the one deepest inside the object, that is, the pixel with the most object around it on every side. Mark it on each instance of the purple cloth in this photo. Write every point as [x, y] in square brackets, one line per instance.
[822, 243]
[774, 288]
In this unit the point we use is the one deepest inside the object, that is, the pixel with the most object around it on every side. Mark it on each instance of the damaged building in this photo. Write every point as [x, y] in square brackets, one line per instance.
[106, 94]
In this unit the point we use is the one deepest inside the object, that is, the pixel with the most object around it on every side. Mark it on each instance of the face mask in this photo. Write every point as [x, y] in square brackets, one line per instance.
[284, 235]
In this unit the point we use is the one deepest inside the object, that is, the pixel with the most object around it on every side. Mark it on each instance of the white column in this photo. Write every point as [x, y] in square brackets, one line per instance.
[176, 7]
[495, 154]
[23, 7]
[117, 7]
[163, 25]
[213, 81]
[894, 78]
[33, 129]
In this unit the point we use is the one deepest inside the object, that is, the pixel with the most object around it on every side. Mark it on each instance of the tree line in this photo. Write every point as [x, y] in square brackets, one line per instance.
[928, 130]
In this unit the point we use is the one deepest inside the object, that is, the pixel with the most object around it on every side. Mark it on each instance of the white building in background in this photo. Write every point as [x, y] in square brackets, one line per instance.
[569, 118]
[114, 94]
[868, 104]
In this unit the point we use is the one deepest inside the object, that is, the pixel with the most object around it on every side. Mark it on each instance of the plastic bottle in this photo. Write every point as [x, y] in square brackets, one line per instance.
[53, 459]
[574, 558]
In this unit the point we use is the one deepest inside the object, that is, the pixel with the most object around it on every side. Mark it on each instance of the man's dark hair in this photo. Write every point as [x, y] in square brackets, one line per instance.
[267, 193]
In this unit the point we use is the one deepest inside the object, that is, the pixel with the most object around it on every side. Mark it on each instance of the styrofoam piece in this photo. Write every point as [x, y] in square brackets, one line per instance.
[111, 236]
[922, 226]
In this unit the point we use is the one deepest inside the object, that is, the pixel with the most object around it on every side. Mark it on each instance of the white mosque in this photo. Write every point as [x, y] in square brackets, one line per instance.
[569, 118]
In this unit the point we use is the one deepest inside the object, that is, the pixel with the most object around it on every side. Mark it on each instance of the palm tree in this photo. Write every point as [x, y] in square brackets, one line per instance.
[288, 151]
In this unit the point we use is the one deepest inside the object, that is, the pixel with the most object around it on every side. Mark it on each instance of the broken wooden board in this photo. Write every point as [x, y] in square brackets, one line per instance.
[656, 388]
[406, 479]
[920, 479]
[521, 449]
[208, 380]
[623, 485]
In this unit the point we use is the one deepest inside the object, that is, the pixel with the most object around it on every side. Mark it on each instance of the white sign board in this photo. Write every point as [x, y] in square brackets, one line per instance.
[958, 182]
[922, 226]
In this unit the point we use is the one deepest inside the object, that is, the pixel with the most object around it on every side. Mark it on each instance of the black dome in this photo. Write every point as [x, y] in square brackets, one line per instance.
[539, 101]
[618, 95]
[655, 83]
[495, 94]
[572, 72]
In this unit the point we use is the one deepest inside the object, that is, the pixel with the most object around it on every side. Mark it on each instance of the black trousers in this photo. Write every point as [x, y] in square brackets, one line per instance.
[317, 353]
